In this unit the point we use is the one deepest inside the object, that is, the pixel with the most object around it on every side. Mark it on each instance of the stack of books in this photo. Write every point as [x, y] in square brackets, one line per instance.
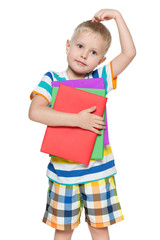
[74, 143]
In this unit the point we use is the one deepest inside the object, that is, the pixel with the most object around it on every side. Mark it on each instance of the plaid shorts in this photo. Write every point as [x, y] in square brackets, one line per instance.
[65, 204]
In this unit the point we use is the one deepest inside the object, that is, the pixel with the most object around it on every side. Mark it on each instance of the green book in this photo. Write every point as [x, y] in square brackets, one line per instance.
[98, 149]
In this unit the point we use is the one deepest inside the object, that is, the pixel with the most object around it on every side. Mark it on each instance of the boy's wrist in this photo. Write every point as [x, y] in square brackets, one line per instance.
[117, 15]
[75, 118]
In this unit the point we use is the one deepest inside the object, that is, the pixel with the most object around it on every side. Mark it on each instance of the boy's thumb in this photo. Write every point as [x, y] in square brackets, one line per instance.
[91, 109]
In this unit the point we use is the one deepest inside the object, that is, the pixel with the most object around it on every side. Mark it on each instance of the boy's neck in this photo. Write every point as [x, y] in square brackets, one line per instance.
[73, 75]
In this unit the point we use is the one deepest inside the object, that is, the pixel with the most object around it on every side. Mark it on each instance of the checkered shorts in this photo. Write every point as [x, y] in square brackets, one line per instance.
[65, 204]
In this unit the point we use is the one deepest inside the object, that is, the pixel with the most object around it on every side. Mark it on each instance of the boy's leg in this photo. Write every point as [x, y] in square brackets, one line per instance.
[102, 207]
[63, 235]
[63, 209]
[99, 233]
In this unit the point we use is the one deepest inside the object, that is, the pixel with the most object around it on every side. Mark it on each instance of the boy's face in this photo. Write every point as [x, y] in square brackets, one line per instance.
[84, 53]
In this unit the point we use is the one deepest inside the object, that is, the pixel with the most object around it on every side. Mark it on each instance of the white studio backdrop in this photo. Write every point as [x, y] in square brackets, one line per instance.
[33, 39]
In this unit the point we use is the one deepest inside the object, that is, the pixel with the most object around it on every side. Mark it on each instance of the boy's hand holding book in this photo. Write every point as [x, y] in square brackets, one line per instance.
[89, 121]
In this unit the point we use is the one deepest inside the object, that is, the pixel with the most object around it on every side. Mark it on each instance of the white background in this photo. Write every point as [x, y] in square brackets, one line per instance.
[33, 38]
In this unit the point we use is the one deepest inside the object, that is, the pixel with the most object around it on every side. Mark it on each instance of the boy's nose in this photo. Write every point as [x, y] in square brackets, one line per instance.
[84, 54]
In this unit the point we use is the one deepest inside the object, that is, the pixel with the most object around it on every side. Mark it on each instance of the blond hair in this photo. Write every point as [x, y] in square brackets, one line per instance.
[95, 27]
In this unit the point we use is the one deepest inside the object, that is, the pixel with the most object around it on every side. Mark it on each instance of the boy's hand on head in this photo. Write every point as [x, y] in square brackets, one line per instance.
[105, 14]
[128, 50]
[89, 121]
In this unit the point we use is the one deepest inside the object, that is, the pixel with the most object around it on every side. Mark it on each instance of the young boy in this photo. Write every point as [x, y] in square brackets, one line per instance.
[73, 185]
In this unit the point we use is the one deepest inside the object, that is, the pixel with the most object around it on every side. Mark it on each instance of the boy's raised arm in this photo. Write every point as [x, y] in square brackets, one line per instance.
[128, 50]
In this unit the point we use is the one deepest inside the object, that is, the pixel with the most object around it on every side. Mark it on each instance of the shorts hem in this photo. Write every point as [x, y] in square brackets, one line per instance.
[105, 224]
[62, 227]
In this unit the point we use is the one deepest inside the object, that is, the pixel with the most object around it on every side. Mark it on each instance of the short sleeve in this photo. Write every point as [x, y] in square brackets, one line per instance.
[107, 73]
[44, 88]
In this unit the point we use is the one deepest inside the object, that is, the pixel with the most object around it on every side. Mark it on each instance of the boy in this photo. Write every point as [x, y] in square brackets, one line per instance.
[73, 185]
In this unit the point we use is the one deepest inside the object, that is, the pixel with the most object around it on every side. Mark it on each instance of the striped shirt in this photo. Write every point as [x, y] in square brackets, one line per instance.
[68, 172]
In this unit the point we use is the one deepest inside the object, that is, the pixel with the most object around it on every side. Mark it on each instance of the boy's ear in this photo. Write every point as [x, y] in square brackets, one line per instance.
[102, 60]
[67, 46]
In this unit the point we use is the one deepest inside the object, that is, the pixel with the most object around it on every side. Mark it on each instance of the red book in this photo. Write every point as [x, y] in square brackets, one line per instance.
[73, 143]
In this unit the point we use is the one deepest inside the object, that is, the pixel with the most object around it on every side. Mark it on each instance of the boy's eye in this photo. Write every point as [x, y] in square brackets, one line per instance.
[80, 46]
[93, 52]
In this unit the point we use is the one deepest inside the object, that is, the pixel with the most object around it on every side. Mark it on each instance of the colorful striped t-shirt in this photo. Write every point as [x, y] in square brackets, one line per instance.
[68, 172]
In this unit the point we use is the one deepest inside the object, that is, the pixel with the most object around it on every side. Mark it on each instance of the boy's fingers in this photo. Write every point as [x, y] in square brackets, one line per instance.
[95, 131]
[100, 123]
[97, 19]
[97, 13]
[99, 118]
[99, 126]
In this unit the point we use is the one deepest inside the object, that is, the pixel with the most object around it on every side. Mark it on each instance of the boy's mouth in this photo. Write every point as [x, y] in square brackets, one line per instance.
[81, 63]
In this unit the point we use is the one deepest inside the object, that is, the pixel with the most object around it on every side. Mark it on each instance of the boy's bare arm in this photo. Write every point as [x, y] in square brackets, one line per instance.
[40, 112]
[128, 50]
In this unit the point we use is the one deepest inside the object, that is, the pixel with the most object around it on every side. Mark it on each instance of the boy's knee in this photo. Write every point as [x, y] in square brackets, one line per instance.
[63, 234]
[95, 232]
